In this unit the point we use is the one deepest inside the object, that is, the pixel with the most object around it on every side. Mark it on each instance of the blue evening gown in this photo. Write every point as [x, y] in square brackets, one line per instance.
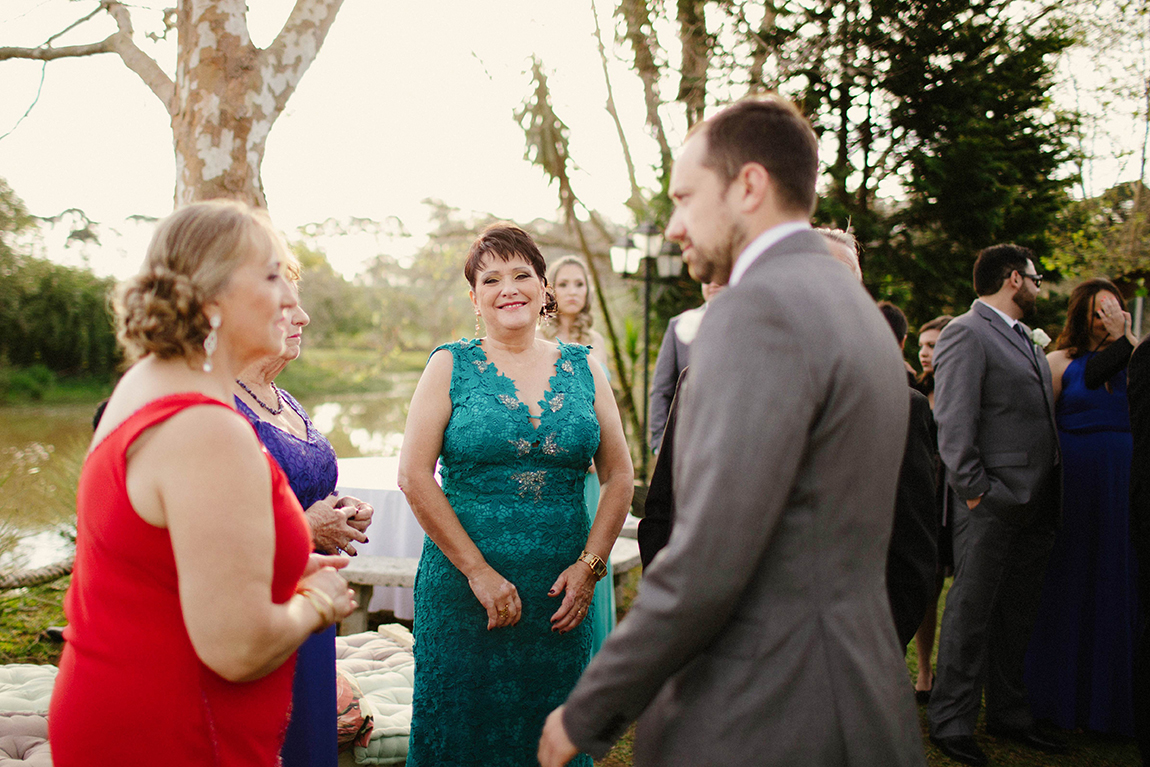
[480, 697]
[1080, 662]
[310, 466]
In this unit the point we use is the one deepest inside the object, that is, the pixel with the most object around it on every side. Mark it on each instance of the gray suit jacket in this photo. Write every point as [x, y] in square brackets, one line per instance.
[994, 405]
[762, 634]
[674, 355]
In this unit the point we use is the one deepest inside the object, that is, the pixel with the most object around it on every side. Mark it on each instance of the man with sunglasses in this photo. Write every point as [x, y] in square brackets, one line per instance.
[994, 405]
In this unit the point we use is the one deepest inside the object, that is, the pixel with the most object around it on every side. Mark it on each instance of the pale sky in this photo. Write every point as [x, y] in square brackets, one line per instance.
[405, 101]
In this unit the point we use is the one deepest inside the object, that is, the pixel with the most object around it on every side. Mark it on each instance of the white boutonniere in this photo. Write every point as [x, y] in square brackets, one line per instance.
[1039, 338]
[688, 325]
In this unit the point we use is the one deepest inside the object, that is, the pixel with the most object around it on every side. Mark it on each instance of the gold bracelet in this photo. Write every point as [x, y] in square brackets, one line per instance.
[319, 600]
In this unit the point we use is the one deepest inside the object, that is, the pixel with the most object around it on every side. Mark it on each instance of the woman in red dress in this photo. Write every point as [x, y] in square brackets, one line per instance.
[194, 583]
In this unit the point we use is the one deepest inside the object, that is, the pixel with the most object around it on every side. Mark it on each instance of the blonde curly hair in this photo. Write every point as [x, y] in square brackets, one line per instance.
[581, 326]
[190, 259]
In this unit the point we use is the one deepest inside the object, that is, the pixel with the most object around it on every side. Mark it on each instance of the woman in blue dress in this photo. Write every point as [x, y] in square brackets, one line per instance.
[1080, 662]
[572, 324]
[309, 462]
[510, 563]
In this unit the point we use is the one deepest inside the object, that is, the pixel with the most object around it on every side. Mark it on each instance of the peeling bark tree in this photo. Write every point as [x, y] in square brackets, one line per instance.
[226, 93]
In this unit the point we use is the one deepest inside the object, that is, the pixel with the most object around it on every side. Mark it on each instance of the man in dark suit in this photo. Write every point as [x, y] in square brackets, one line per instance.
[762, 632]
[1138, 394]
[994, 406]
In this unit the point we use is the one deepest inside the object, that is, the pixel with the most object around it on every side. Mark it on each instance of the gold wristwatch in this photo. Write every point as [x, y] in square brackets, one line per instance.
[596, 563]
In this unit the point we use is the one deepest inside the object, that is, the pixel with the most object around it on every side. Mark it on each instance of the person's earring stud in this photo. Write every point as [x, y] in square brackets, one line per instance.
[211, 341]
[477, 329]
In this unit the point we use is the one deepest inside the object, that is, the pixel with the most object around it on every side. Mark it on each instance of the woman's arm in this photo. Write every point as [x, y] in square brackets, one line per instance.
[617, 485]
[599, 347]
[1058, 360]
[202, 475]
[427, 419]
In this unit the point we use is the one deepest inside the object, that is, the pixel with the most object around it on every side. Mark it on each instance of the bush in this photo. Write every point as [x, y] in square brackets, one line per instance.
[26, 383]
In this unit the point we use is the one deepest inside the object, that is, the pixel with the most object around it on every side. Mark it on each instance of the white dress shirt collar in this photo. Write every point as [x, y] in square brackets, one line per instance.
[1010, 321]
[760, 244]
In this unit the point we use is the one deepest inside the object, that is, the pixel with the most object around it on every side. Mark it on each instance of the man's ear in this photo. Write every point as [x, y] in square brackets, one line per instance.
[754, 187]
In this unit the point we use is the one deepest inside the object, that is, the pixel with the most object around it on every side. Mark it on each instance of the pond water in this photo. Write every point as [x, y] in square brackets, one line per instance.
[42, 450]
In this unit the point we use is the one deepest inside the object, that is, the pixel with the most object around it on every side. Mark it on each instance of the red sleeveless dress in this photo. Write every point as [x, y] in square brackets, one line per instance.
[131, 689]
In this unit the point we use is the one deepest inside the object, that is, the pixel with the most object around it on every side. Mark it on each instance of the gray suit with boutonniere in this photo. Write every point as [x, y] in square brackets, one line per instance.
[994, 405]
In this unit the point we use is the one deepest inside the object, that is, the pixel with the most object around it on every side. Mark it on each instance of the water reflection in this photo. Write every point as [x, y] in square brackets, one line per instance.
[42, 450]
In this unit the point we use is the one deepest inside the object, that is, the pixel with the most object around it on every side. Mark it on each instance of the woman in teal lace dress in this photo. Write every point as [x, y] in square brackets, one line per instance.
[509, 565]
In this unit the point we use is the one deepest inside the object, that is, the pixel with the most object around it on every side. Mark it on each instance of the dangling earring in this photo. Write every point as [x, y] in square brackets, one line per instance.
[477, 330]
[211, 341]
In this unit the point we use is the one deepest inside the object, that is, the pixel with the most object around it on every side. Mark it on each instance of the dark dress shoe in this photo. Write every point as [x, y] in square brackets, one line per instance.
[1031, 736]
[961, 748]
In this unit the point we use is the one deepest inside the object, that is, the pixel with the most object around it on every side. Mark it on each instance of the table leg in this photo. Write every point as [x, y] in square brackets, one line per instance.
[356, 623]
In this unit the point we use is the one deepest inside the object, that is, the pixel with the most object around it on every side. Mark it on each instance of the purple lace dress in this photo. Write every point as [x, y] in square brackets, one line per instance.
[310, 466]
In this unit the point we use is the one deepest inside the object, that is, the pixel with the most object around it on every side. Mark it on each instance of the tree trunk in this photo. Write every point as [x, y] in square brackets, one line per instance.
[227, 93]
[696, 49]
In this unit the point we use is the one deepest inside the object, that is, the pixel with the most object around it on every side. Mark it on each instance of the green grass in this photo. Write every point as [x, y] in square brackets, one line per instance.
[24, 616]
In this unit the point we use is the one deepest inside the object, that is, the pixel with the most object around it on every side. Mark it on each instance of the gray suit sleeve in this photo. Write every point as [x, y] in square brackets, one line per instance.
[663, 383]
[767, 401]
[959, 370]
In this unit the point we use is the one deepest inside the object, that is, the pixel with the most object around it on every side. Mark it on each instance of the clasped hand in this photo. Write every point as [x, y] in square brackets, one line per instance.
[338, 524]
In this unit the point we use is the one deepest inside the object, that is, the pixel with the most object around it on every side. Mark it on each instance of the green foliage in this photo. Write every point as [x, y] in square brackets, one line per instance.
[973, 90]
[55, 316]
[339, 310]
[1105, 235]
[25, 383]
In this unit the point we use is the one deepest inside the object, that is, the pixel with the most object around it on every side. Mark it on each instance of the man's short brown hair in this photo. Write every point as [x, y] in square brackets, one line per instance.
[772, 132]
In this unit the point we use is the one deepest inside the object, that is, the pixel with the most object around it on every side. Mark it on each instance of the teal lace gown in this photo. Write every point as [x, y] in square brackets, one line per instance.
[480, 697]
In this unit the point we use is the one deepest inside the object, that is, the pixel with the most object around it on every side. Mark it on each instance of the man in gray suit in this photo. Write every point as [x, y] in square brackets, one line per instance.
[995, 411]
[674, 356]
[762, 633]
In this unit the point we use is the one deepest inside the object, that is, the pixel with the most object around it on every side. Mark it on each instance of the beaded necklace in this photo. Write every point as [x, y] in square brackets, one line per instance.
[260, 402]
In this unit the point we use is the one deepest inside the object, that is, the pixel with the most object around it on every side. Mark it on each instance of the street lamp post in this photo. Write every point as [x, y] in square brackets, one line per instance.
[645, 246]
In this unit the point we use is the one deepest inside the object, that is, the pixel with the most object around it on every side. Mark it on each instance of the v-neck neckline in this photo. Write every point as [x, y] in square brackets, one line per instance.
[544, 403]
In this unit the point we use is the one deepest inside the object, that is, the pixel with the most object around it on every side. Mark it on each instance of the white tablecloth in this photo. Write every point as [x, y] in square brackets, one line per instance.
[393, 532]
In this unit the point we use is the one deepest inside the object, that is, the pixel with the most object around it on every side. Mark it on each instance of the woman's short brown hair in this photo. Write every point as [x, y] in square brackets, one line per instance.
[190, 259]
[1075, 335]
[505, 242]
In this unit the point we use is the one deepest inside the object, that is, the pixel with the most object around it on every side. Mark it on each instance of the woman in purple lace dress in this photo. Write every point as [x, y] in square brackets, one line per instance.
[337, 524]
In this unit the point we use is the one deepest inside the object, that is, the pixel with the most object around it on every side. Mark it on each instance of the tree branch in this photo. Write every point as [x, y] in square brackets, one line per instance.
[636, 202]
[119, 43]
[49, 54]
[296, 46]
[136, 60]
